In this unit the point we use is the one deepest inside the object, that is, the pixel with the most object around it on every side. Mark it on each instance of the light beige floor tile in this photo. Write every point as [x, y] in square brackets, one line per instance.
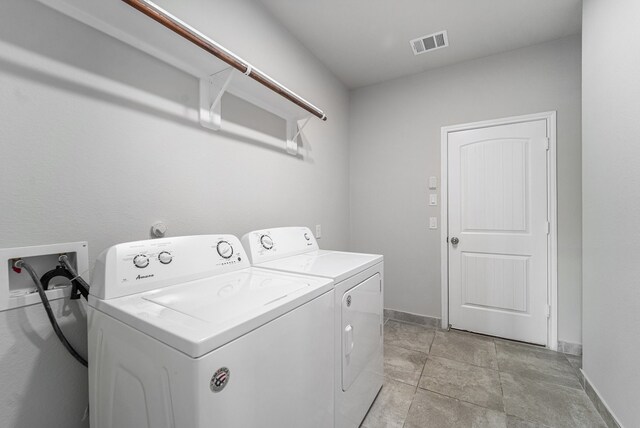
[467, 348]
[474, 384]
[408, 336]
[547, 403]
[514, 422]
[391, 406]
[403, 365]
[575, 361]
[536, 364]
[431, 410]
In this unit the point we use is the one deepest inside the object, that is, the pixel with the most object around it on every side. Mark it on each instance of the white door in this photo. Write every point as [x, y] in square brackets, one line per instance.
[498, 230]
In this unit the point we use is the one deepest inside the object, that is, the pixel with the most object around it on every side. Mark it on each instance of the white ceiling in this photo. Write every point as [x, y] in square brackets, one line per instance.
[367, 41]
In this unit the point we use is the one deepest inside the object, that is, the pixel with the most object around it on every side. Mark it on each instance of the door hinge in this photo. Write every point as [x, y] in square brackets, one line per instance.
[380, 330]
[546, 143]
[548, 228]
[548, 311]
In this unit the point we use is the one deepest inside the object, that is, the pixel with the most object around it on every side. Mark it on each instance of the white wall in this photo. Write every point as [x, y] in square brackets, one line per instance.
[104, 141]
[395, 147]
[611, 201]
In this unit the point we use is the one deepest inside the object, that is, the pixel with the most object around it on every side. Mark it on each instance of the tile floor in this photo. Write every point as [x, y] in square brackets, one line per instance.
[440, 379]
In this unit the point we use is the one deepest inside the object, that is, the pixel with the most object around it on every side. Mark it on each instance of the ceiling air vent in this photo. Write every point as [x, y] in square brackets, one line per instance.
[429, 43]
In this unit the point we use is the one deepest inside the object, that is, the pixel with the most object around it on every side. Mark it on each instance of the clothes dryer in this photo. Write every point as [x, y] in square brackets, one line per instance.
[358, 318]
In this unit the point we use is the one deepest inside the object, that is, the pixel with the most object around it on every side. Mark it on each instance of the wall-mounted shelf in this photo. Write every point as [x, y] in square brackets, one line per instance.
[168, 38]
[212, 89]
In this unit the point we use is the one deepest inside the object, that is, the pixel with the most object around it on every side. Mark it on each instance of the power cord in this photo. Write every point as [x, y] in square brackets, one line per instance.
[47, 306]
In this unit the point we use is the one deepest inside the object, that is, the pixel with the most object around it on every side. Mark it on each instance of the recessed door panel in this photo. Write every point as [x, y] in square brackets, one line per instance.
[494, 185]
[495, 281]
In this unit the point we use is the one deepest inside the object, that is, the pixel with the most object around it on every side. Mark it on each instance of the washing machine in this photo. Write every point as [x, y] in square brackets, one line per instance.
[358, 317]
[183, 333]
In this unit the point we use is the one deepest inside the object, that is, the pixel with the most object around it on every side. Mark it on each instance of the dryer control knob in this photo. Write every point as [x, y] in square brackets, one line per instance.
[266, 242]
[141, 261]
[225, 249]
[306, 236]
[165, 257]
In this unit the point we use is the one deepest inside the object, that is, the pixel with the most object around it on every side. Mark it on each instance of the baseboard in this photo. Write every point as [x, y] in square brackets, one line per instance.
[412, 318]
[564, 347]
[600, 405]
[570, 348]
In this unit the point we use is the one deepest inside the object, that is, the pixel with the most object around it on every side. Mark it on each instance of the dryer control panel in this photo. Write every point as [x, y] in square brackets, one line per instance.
[271, 244]
[139, 266]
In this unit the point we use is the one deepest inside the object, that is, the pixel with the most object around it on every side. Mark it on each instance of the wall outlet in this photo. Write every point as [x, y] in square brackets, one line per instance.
[433, 199]
[433, 222]
[318, 231]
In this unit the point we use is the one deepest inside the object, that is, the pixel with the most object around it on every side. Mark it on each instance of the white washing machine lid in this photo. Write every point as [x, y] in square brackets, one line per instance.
[336, 265]
[199, 316]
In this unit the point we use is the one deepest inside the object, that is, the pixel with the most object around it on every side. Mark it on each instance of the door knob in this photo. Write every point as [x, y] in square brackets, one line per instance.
[454, 241]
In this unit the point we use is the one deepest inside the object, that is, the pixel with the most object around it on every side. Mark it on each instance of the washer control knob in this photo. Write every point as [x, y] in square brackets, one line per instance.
[307, 237]
[225, 249]
[266, 242]
[141, 261]
[165, 257]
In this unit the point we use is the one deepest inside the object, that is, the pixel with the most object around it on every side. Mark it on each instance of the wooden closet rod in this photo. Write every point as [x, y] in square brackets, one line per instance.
[197, 38]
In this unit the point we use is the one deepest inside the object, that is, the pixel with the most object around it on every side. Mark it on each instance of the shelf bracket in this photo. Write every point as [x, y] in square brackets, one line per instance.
[212, 88]
[293, 131]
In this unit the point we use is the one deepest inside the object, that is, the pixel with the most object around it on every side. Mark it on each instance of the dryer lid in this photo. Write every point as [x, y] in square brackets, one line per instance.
[331, 264]
[199, 316]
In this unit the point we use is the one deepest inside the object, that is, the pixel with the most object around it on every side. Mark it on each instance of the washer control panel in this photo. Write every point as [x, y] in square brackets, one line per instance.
[146, 265]
[225, 249]
[165, 257]
[267, 242]
[144, 259]
[271, 244]
[141, 261]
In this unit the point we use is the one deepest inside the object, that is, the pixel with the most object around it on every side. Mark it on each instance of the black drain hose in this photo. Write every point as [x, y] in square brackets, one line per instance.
[79, 287]
[47, 308]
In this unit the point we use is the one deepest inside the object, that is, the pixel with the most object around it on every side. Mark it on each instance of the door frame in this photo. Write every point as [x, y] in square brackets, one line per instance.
[552, 215]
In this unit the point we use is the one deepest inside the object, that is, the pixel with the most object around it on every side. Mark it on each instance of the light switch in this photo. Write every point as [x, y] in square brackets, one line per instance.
[318, 231]
[433, 199]
[433, 182]
[433, 222]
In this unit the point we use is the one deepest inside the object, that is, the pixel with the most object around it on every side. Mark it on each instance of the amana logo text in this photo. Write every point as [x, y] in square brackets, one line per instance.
[144, 276]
